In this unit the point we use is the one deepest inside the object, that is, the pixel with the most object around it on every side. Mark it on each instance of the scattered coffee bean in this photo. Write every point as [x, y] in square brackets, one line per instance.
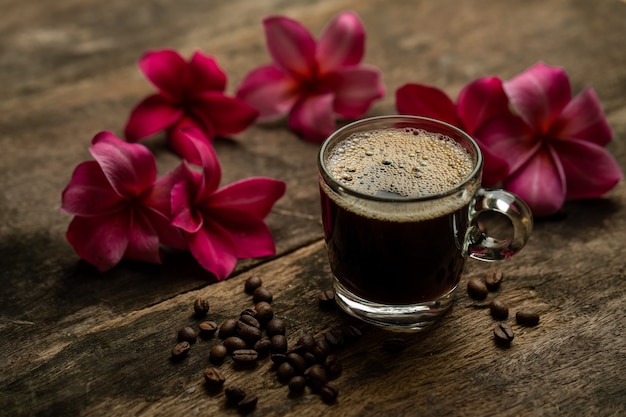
[278, 358]
[187, 334]
[180, 350]
[285, 372]
[297, 384]
[207, 329]
[217, 354]
[264, 312]
[527, 317]
[306, 343]
[298, 362]
[234, 343]
[263, 346]
[493, 278]
[503, 334]
[201, 307]
[245, 356]
[326, 298]
[334, 338]
[477, 289]
[228, 328]
[247, 404]
[316, 377]
[329, 393]
[498, 309]
[252, 283]
[248, 312]
[279, 343]
[275, 326]
[351, 333]
[213, 377]
[332, 366]
[322, 349]
[262, 294]
[234, 394]
[249, 333]
[249, 320]
[394, 344]
[309, 358]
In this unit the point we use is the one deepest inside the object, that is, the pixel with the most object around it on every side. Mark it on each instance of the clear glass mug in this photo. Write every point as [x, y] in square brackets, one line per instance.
[401, 201]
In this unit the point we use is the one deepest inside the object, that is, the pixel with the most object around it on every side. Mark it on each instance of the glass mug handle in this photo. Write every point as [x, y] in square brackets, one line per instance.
[479, 244]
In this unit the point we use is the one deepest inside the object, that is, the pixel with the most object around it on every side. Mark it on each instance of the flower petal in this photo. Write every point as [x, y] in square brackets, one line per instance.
[227, 115]
[180, 142]
[250, 235]
[143, 240]
[291, 46]
[341, 44]
[590, 170]
[481, 100]
[583, 118]
[204, 74]
[184, 214]
[426, 101]
[254, 196]
[495, 169]
[130, 168]
[539, 94]
[165, 69]
[89, 193]
[540, 183]
[269, 90]
[313, 118]
[356, 89]
[204, 156]
[152, 114]
[213, 249]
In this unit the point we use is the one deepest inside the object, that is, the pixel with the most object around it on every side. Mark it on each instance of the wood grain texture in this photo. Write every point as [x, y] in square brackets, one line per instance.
[75, 342]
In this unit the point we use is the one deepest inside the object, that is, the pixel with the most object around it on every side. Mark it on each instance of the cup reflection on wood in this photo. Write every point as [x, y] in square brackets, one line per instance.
[400, 200]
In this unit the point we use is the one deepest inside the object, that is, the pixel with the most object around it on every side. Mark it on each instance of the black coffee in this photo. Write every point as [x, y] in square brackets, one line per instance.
[404, 252]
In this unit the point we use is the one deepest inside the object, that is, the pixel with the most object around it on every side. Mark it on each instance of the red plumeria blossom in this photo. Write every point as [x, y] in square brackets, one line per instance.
[477, 102]
[224, 224]
[554, 144]
[190, 95]
[313, 82]
[120, 209]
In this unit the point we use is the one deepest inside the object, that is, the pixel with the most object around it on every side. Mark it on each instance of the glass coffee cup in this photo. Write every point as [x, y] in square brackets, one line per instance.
[401, 201]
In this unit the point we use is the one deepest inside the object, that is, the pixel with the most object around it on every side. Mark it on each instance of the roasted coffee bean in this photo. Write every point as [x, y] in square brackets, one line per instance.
[394, 344]
[217, 354]
[477, 289]
[309, 358]
[322, 349]
[234, 394]
[278, 358]
[249, 320]
[187, 334]
[527, 317]
[249, 333]
[334, 338]
[297, 384]
[228, 329]
[332, 366]
[493, 278]
[503, 334]
[498, 309]
[262, 294]
[213, 377]
[207, 329]
[201, 307]
[306, 343]
[351, 333]
[245, 356]
[247, 404]
[329, 393]
[285, 372]
[316, 377]
[326, 298]
[180, 350]
[248, 312]
[263, 346]
[275, 326]
[298, 362]
[264, 312]
[279, 343]
[252, 283]
[234, 343]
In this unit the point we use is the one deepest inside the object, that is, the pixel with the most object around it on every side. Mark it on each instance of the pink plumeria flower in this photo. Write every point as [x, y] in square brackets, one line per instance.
[554, 144]
[120, 209]
[477, 102]
[191, 95]
[313, 82]
[224, 224]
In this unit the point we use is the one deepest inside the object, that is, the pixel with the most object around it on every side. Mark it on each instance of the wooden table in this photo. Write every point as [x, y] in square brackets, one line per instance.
[76, 342]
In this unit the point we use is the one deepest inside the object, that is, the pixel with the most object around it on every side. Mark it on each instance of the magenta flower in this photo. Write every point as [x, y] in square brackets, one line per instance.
[554, 144]
[225, 224]
[120, 210]
[313, 82]
[191, 95]
[477, 102]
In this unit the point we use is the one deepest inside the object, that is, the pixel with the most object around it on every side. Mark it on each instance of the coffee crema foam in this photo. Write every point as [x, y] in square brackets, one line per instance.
[399, 163]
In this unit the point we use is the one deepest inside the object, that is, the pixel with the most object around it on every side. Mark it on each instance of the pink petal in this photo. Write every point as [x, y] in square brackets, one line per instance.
[158, 198]
[250, 235]
[89, 193]
[355, 91]
[495, 169]
[130, 168]
[143, 240]
[426, 101]
[481, 100]
[255, 196]
[168, 235]
[269, 90]
[291, 46]
[539, 94]
[342, 43]
[165, 69]
[101, 241]
[213, 250]
[313, 118]
[540, 183]
[590, 170]
[583, 118]
[227, 115]
[151, 115]
[184, 214]
[205, 156]
[204, 74]
[180, 142]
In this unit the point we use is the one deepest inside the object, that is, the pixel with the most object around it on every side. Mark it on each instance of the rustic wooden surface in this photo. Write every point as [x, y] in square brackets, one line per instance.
[75, 342]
